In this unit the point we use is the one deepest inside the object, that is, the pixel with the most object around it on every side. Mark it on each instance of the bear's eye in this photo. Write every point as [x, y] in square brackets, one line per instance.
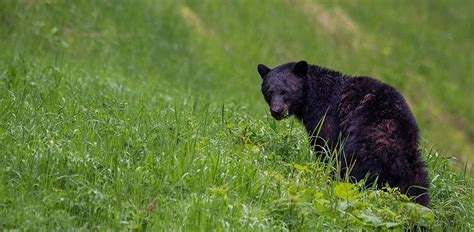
[283, 92]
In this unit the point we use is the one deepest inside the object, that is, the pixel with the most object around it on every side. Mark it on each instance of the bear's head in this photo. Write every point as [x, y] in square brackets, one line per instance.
[283, 87]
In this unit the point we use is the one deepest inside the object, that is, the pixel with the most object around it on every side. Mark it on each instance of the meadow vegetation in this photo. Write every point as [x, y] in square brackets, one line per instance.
[148, 114]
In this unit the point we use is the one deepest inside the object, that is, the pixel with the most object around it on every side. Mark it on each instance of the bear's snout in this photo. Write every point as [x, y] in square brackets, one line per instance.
[279, 111]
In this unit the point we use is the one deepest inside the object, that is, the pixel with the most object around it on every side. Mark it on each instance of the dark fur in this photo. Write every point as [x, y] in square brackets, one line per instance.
[379, 131]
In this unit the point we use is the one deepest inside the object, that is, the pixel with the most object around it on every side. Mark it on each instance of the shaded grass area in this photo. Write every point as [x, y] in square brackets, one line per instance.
[147, 114]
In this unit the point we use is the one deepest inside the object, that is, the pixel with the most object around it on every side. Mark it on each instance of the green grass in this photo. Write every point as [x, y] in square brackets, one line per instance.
[147, 114]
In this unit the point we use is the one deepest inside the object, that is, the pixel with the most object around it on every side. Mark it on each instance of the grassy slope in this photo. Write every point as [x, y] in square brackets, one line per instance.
[135, 114]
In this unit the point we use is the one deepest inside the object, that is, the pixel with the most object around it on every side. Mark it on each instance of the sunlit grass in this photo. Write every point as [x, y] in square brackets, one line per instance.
[82, 152]
[148, 114]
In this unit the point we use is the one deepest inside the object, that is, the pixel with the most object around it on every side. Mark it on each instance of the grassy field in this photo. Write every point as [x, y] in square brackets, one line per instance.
[148, 114]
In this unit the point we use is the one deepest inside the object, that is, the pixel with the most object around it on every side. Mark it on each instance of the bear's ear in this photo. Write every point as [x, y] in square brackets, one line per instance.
[300, 68]
[263, 70]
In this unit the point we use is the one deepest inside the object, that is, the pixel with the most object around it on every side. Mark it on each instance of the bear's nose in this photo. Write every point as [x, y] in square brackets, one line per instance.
[276, 110]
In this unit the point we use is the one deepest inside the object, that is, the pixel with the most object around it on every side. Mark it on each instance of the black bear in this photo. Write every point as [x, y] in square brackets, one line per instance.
[379, 133]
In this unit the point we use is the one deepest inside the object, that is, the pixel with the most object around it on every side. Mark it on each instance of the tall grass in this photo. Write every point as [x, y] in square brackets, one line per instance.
[82, 152]
[147, 114]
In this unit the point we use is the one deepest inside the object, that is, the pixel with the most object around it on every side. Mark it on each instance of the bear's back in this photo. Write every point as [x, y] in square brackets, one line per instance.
[371, 101]
[380, 131]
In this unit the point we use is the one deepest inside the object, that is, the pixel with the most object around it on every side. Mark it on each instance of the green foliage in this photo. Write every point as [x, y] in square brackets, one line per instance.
[80, 152]
[135, 115]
